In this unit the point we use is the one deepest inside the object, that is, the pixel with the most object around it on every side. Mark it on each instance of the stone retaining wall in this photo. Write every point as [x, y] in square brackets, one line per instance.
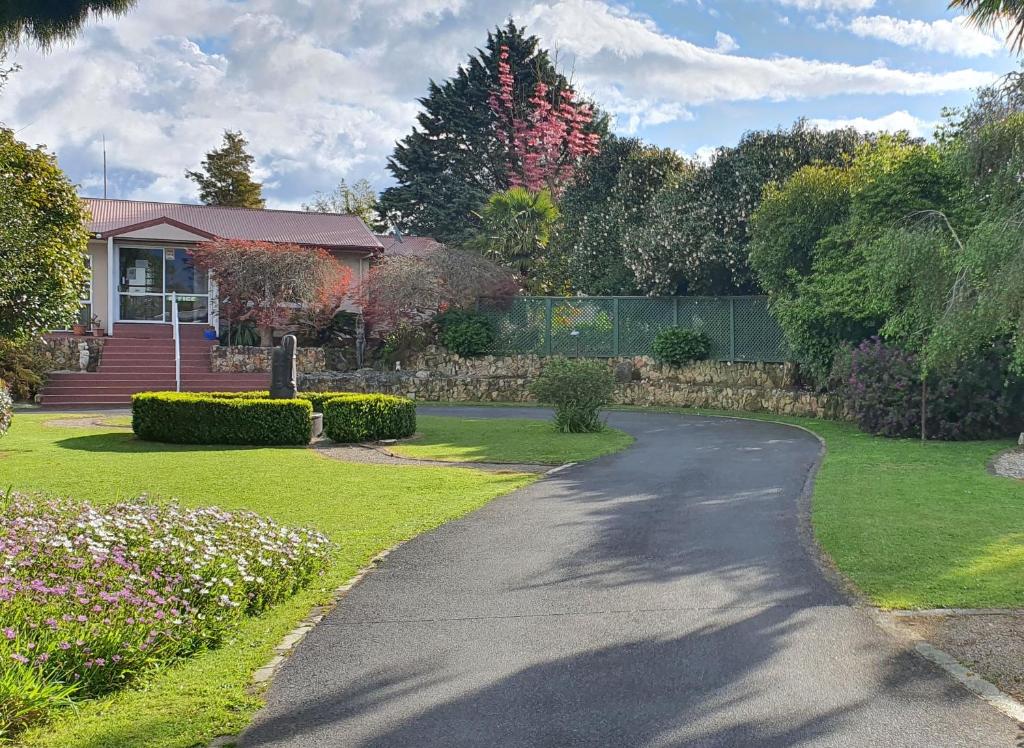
[70, 352]
[240, 359]
[439, 376]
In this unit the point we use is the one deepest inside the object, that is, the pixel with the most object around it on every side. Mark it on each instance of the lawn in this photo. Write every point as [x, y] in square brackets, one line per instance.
[506, 440]
[364, 508]
[917, 525]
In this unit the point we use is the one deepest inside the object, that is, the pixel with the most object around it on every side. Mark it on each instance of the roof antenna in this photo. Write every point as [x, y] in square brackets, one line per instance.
[104, 136]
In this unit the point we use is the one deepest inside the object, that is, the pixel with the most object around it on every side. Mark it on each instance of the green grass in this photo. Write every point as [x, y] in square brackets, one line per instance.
[365, 508]
[506, 440]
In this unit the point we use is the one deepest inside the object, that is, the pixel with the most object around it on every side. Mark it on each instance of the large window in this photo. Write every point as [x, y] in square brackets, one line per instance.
[148, 277]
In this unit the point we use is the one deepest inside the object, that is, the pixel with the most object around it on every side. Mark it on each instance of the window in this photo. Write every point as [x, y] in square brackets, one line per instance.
[148, 277]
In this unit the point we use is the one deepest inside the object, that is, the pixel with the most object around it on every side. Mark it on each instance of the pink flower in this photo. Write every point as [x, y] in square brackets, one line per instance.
[10, 633]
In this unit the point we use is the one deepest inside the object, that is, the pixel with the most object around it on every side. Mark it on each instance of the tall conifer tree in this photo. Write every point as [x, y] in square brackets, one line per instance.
[226, 175]
[453, 161]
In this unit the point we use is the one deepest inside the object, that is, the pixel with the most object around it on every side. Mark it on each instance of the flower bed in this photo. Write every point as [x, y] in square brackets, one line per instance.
[93, 598]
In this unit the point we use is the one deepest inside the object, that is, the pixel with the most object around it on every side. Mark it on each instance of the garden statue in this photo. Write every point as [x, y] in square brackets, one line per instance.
[283, 377]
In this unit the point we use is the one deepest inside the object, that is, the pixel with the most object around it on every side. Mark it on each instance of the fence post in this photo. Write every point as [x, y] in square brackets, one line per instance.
[547, 326]
[675, 311]
[732, 328]
[615, 326]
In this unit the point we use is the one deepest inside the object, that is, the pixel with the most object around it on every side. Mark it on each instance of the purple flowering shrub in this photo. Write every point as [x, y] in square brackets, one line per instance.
[92, 598]
[980, 400]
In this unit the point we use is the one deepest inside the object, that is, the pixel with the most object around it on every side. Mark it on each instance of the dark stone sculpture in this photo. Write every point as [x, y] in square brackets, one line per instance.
[283, 374]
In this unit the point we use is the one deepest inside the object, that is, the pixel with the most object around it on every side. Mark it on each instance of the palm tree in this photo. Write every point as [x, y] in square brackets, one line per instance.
[992, 14]
[516, 226]
[48, 21]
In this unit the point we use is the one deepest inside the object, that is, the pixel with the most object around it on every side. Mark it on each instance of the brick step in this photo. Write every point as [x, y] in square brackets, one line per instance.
[159, 366]
[162, 361]
[156, 331]
[88, 380]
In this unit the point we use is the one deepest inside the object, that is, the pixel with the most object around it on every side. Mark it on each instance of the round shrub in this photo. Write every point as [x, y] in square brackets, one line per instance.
[6, 408]
[980, 400]
[466, 333]
[354, 417]
[680, 345]
[220, 418]
[577, 390]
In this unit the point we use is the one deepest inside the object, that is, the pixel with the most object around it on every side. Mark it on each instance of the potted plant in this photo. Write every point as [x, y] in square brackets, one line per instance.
[79, 328]
[97, 327]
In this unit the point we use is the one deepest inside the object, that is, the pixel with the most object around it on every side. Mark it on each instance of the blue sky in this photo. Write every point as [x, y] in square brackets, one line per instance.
[323, 88]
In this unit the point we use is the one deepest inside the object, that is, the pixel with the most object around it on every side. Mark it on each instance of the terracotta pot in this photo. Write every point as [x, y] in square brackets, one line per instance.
[98, 332]
[78, 330]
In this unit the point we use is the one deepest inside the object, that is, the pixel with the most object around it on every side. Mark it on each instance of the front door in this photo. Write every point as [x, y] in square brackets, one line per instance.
[147, 276]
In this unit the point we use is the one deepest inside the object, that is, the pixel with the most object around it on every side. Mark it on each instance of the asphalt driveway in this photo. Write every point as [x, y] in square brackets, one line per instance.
[663, 596]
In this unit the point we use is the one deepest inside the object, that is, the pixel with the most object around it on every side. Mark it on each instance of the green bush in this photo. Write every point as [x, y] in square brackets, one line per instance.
[577, 390]
[466, 333]
[360, 418]
[220, 418]
[6, 408]
[680, 345]
[24, 365]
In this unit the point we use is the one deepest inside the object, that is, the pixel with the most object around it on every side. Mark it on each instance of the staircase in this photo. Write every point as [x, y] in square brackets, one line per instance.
[139, 358]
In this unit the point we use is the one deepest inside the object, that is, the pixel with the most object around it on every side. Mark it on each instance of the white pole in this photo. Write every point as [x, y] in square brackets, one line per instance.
[177, 341]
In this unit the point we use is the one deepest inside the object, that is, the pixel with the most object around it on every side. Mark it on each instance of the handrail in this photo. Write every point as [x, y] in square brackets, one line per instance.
[177, 341]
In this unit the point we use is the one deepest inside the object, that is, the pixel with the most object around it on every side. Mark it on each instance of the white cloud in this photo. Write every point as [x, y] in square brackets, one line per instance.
[725, 43]
[949, 37]
[833, 5]
[618, 53]
[893, 122]
[323, 89]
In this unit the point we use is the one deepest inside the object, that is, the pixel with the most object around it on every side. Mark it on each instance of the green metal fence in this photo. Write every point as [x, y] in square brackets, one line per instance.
[741, 328]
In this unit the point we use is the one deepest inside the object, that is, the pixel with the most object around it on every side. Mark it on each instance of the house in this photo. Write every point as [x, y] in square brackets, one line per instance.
[398, 244]
[139, 256]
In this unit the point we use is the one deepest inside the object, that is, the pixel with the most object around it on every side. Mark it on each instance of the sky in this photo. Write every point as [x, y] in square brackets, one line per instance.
[323, 88]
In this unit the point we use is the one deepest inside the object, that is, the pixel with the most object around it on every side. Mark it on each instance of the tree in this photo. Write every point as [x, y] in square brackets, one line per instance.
[226, 175]
[51, 21]
[43, 241]
[357, 200]
[792, 219]
[993, 14]
[695, 239]
[546, 143]
[263, 282]
[611, 194]
[414, 288]
[453, 160]
[516, 227]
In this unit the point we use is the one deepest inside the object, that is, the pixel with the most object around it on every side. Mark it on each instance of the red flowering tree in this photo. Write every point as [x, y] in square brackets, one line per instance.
[267, 283]
[547, 143]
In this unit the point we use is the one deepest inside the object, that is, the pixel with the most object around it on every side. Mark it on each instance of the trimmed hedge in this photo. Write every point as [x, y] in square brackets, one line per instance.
[360, 418]
[220, 418]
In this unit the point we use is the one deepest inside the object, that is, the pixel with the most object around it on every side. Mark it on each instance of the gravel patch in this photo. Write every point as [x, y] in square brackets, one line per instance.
[1010, 464]
[373, 455]
[990, 643]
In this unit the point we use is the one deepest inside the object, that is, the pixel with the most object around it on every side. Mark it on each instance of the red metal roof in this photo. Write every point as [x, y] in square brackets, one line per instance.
[416, 246]
[110, 217]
